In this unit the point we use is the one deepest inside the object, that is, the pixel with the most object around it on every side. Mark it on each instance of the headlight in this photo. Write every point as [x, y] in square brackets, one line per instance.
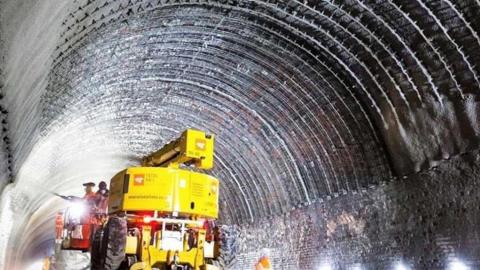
[77, 210]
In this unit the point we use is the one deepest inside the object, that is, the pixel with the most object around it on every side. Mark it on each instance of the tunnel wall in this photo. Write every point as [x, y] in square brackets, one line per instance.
[5, 151]
[425, 221]
[308, 100]
[28, 35]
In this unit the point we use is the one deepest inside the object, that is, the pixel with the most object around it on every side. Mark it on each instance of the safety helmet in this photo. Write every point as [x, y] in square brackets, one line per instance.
[89, 184]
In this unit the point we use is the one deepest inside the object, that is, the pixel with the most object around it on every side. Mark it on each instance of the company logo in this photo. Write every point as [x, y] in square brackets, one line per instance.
[138, 179]
[200, 144]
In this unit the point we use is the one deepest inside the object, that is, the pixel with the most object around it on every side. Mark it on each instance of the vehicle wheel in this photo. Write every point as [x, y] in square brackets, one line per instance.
[116, 238]
[96, 258]
[108, 253]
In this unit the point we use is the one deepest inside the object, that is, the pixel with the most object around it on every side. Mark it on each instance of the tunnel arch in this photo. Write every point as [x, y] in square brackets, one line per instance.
[210, 69]
[309, 100]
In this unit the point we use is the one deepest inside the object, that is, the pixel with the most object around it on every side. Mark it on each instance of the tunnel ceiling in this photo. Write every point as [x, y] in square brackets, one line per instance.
[307, 99]
[287, 129]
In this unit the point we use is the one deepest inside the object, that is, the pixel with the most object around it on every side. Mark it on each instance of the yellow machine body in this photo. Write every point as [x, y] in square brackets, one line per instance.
[166, 190]
[181, 200]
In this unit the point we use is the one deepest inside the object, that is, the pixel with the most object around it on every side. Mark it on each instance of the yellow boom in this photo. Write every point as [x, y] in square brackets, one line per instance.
[193, 147]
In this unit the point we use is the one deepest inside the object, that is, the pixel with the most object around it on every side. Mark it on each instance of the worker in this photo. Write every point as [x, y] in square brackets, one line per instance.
[101, 199]
[264, 261]
[83, 230]
[46, 263]
[89, 189]
[59, 223]
[263, 264]
[102, 189]
[89, 196]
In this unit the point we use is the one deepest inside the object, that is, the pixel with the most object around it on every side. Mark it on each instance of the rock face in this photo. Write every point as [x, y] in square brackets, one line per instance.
[320, 108]
[426, 221]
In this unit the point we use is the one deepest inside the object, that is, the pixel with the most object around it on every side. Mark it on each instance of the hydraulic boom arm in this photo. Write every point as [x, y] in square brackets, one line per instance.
[193, 147]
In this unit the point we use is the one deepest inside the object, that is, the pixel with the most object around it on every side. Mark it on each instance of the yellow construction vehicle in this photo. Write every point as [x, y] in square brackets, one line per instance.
[161, 216]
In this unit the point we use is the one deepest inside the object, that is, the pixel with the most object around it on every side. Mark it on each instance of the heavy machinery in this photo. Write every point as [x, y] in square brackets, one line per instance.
[161, 215]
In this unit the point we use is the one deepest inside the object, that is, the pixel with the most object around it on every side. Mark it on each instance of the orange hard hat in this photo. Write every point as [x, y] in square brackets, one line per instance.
[265, 262]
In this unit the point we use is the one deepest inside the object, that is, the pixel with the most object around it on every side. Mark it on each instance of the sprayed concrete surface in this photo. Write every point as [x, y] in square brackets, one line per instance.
[426, 221]
[309, 101]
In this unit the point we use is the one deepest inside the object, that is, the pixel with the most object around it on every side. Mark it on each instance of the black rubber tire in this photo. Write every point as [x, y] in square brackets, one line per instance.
[97, 258]
[109, 252]
[116, 238]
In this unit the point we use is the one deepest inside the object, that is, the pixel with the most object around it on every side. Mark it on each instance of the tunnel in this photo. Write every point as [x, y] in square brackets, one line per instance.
[347, 131]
